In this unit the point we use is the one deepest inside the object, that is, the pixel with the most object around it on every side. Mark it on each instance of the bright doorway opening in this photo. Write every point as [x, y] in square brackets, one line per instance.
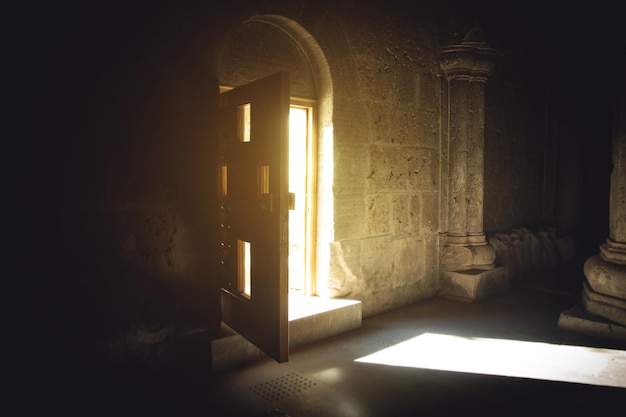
[302, 189]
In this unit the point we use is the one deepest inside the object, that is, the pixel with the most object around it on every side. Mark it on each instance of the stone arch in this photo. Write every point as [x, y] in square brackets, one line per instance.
[302, 56]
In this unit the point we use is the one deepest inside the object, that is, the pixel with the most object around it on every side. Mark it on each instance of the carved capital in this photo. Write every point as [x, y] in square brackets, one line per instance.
[471, 60]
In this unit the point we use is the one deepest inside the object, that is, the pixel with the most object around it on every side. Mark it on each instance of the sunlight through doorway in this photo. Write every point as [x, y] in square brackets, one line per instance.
[301, 186]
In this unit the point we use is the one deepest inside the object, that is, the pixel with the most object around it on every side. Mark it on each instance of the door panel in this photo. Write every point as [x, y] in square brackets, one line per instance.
[254, 208]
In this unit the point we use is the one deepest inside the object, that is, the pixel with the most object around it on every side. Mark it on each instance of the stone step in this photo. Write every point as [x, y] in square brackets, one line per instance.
[310, 319]
[577, 319]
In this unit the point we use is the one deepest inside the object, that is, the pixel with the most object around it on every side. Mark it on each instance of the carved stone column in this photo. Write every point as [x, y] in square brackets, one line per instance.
[603, 307]
[468, 271]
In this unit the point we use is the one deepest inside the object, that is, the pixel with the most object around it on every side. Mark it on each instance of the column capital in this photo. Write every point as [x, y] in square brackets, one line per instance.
[471, 60]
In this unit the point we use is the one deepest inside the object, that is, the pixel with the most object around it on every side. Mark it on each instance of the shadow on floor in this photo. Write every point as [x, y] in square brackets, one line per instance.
[325, 379]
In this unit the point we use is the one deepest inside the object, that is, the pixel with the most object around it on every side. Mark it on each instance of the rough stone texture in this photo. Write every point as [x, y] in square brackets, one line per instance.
[379, 212]
[342, 281]
[396, 101]
[466, 252]
[606, 277]
[272, 51]
[332, 317]
[577, 319]
[388, 168]
[466, 66]
[522, 250]
[351, 217]
[423, 169]
[407, 263]
[605, 306]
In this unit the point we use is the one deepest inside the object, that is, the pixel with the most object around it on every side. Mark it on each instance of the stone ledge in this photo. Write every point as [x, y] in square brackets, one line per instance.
[473, 285]
[310, 319]
[577, 319]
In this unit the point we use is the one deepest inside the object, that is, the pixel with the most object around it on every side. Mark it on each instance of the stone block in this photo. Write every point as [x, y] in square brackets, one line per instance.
[473, 285]
[610, 308]
[400, 213]
[380, 123]
[375, 265]
[341, 280]
[577, 319]
[423, 169]
[429, 219]
[606, 277]
[388, 168]
[348, 166]
[378, 214]
[310, 319]
[350, 217]
[317, 318]
[408, 262]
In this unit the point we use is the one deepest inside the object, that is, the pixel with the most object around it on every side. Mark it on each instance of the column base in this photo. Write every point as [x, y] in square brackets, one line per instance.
[605, 277]
[610, 308]
[473, 285]
[467, 256]
[578, 319]
[602, 310]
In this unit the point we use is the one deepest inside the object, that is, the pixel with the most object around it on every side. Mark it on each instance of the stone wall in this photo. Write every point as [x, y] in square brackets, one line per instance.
[387, 156]
[389, 152]
[383, 244]
[523, 251]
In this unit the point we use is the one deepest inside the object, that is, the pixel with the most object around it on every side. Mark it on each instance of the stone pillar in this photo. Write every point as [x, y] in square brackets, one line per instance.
[603, 307]
[468, 270]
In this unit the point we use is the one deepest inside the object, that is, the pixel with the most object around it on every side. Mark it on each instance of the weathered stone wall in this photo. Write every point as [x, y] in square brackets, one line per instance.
[386, 134]
[387, 156]
[389, 174]
[523, 251]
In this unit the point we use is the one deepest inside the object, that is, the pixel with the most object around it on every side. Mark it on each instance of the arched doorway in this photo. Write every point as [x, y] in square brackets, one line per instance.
[266, 44]
[258, 49]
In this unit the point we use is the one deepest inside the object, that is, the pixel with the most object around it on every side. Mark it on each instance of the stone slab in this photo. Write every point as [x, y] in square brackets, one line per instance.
[577, 319]
[473, 285]
[310, 319]
[318, 318]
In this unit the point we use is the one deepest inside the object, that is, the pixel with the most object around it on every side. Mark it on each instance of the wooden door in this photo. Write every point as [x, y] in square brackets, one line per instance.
[253, 212]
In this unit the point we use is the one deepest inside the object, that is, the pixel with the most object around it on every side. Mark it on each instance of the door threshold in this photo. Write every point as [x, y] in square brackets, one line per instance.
[316, 318]
[311, 319]
[301, 306]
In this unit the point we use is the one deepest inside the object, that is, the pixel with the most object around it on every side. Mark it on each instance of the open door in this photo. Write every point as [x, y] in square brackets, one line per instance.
[253, 212]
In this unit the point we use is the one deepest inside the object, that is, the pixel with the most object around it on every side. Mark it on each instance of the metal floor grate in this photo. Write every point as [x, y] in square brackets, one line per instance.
[281, 387]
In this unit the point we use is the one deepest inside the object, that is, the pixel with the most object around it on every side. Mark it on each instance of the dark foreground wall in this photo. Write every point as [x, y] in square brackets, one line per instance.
[114, 183]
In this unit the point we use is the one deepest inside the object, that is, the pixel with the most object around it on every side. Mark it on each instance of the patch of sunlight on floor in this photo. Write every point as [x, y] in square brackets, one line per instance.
[511, 358]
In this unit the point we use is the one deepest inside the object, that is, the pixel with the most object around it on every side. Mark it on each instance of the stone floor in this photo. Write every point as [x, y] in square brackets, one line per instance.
[505, 355]
[502, 356]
